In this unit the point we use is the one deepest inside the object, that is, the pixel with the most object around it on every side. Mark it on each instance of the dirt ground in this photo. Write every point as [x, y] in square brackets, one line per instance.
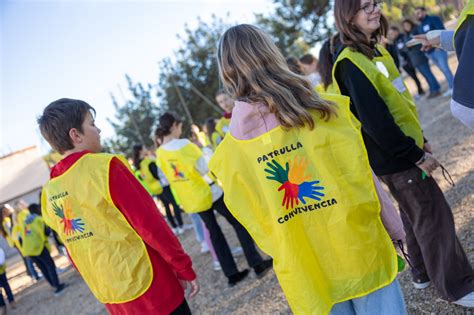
[453, 145]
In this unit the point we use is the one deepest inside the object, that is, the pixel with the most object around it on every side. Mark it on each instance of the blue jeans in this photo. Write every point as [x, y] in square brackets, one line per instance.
[197, 224]
[387, 301]
[429, 77]
[440, 59]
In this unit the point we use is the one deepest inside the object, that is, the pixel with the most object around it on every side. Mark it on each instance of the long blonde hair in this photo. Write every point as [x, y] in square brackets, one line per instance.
[253, 70]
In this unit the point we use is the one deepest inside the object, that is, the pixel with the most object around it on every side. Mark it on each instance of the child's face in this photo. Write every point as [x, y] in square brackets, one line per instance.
[225, 102]
[90, 137]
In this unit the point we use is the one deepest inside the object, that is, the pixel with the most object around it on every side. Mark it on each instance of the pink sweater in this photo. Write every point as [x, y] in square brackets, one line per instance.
[251, 120]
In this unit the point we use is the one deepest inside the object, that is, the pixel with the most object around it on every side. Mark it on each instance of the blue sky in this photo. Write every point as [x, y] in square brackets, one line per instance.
[83, 49]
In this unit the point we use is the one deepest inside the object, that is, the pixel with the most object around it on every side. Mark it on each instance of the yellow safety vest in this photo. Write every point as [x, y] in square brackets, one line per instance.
[30, 230]
[138, 175]
[222, 126]
[468, 10]
[216, 139]
[107, 251]
[3, 268]
[308, 199]
[384, 76]
[8, 227]
[192, 191]
[151, 182]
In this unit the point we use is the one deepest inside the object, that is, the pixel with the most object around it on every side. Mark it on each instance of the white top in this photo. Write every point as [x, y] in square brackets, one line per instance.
[315, 79]
[2, 256]
[201, 165]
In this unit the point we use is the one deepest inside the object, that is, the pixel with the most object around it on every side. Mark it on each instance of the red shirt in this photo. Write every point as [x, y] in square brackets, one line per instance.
[167, 257]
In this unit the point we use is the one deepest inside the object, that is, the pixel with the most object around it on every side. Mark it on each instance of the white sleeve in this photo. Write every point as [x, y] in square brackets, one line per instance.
[201, 166]
[2, 256]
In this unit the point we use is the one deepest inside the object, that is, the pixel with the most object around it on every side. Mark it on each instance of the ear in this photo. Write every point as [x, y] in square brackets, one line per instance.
[75, 135]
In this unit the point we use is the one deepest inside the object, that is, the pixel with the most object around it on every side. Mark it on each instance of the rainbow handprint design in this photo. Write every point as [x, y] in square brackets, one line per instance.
[176, 171]
[294, 181]
[71, 226]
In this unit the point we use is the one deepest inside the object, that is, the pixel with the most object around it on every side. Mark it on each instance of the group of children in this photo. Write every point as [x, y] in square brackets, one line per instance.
[25, 230]
[293, 171]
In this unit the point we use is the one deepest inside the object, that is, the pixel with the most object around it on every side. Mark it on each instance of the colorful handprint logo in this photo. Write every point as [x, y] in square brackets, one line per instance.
[71, 225]
[177, 173]
[294, 181]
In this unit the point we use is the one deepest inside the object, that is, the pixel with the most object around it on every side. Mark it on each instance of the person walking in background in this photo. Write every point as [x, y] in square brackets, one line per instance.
[5, 285]
[397, 150]
[438, 56]
[418, 58]
[149, 173]
[396, 48]
[185, 167]
[309, 65]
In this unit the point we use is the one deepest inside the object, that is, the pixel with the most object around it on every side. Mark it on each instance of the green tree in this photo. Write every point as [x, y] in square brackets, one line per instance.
[135, 119]
[191, 79]
[297, 25]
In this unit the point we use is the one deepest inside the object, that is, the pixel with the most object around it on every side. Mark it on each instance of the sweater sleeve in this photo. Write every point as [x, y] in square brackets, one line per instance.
[374, 115]
[154, 170]
[140, 210]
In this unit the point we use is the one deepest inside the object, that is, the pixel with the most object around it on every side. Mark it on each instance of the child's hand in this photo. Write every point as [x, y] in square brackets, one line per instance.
[194, 287]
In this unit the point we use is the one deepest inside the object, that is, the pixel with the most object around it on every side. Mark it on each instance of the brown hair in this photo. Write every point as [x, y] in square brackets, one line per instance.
[308, 59]
[350, 35]
[293, 65]
[59, 118]
[252, 69]
[166, 121]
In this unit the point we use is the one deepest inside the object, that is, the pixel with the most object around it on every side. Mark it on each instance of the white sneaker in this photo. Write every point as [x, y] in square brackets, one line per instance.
[216, 265]
[237, 251]
[422, 285]
[466, 301]
[204, 248]
[448, 92]
[188, 227]
[175, 231]
[180, 230]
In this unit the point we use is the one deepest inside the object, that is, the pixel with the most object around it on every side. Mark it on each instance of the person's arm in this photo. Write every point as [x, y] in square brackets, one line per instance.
[140, 210]
[462, 104]
[154, 170]
[374, 115]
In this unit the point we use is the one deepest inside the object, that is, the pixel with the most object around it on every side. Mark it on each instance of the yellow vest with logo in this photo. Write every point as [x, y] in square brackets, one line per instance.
[192, 191]
[468, 10]
[222, 126]
[384, 76]
[107, 251]
[308, 199]
[151, 182]
[33, 239]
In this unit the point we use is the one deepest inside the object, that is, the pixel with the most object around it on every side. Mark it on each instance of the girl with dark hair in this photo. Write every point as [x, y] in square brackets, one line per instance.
[398, 152]
[211, 132]
[184, 166]
[157, 186]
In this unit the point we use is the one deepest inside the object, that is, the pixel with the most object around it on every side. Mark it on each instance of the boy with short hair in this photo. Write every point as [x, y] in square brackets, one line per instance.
[110, 225]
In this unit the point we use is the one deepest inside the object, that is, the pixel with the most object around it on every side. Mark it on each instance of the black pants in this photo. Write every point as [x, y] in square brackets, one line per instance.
[4, 284]
[220, 243]
[183, 309]
[167, 198]
[411, 71]
[47, 267]
[434, 249]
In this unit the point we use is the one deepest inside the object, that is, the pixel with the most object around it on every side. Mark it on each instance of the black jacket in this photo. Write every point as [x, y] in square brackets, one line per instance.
[390, 150]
